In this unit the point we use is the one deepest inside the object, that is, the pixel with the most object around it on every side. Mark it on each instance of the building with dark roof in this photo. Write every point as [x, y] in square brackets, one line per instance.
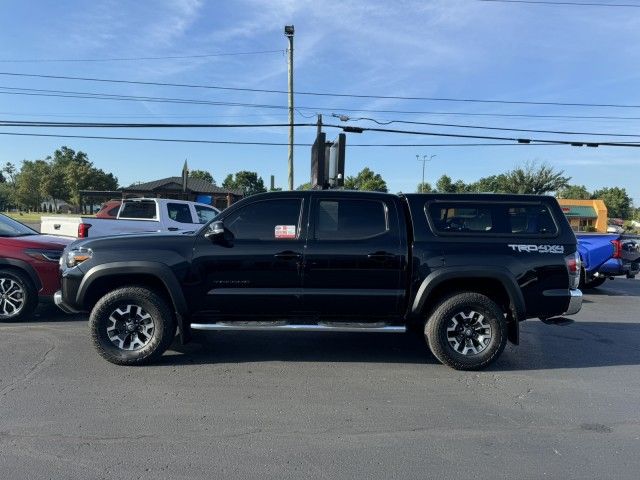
[197, 190]
[585, 215]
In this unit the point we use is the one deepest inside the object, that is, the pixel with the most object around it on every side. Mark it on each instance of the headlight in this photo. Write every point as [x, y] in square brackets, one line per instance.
[77, 256]
[44, 255]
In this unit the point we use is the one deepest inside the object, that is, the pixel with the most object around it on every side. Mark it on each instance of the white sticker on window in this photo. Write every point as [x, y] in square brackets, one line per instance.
[285, 231]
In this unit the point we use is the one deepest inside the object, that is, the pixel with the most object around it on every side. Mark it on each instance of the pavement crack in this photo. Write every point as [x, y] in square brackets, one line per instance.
[35, 368]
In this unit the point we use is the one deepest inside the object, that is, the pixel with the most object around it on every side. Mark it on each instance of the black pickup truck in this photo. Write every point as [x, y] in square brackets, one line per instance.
[462, 269]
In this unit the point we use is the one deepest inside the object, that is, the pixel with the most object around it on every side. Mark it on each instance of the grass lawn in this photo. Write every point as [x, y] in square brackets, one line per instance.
[33, 217]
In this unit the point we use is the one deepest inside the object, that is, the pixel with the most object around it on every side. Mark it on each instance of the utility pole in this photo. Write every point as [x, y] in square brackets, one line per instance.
[288, 32]
[424, 160]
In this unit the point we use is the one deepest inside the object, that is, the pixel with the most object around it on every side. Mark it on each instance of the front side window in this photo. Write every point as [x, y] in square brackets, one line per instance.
[461, 218]
[277, 219]
[179, 212]
[350, 219]
[205, 214]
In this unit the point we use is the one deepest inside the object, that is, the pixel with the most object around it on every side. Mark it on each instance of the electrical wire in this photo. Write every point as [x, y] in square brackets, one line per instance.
[233, 142]
[327, 94]
[13, 123]
[507, 129]
[116, 97]
[571, 4]
[352, 129]
[127, 59]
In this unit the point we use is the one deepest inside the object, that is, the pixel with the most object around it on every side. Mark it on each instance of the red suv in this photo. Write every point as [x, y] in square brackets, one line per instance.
[28, 268]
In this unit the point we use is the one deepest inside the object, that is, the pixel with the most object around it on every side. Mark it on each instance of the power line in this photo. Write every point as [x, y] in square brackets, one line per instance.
[127, 59]
[480, 127]
[13, 123]
[572, 4]
[233, 142]
[31, 123]
[106, 96]
[326, 94]
[576, 143]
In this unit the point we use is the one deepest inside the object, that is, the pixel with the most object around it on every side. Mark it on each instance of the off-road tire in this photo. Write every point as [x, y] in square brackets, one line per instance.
[29, 294]
[436, 330]
[163, 319]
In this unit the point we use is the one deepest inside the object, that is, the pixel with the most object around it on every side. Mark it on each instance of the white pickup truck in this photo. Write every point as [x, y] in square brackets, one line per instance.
[136, 215]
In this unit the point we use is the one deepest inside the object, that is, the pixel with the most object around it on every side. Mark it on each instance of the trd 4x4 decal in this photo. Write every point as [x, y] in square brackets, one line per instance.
[537, 248]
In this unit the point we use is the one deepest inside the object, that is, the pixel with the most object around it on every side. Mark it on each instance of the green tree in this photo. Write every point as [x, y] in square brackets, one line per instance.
[576, 192]
[367, 180]
[29, 183]
[446, 185]
[424, 188]
[249, 182]
[202, 175]
[304, 186]
[617, 200]
[534, 179]
[6, 196]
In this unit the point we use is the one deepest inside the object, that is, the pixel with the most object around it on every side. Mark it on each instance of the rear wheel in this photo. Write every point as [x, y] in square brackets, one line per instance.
[18, 296]
[132, 326]
[467, 331]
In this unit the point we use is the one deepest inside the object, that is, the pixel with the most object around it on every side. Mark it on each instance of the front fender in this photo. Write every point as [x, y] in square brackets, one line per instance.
[155, 269]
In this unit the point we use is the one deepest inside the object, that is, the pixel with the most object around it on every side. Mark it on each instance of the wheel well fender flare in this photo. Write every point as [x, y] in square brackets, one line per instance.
[155, 269]
[437, 277]
[25, 267]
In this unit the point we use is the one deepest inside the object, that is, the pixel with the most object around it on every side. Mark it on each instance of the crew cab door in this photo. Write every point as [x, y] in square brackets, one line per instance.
[256, 270]
[354, 259]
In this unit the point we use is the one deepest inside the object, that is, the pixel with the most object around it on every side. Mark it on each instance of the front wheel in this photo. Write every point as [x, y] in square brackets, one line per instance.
[131, 326]
[467, 331]
[18, 296]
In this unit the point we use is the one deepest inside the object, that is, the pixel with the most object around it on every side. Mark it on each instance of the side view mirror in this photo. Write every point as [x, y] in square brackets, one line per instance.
[215, 231]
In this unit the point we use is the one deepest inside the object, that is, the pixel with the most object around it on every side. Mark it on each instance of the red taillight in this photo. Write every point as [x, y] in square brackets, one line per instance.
[83, 230]
[574, 264]
[617, 248]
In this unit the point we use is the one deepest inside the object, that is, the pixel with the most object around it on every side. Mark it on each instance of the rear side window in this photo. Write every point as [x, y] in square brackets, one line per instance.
[531, 219]
[142, 210]
[461, 218]
[491, 218]
[179, 212]
[350, 219]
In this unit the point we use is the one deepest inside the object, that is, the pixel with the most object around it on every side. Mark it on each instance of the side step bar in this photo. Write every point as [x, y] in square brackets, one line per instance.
[320, 327]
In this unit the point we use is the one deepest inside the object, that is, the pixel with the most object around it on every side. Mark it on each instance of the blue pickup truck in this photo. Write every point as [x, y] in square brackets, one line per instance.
[607, 255]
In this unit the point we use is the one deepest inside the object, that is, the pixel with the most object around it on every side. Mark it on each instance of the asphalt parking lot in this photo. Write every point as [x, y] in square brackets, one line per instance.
[563, 404]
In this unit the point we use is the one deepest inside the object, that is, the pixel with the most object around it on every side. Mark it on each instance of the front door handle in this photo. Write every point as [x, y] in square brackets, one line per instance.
[288, 255]
[173, 229]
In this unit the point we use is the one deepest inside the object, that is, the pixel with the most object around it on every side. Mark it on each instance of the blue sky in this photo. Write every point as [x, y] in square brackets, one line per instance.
[436, 48]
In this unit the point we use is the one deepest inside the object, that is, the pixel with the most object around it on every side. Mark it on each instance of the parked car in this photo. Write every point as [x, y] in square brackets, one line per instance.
[28, 268]
[109, 209]
[605, 256]
[136, 215]
[464, 270]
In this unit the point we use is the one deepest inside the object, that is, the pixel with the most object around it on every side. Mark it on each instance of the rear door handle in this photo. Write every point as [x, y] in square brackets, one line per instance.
[381, 256]
[288, 255]
[173, 229]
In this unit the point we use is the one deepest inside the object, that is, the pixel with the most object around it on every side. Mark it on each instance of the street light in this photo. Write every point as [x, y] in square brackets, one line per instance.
[424, 160]
[288, 32]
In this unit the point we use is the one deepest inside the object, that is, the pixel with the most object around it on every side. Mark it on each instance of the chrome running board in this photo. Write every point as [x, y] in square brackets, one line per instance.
[320, 327]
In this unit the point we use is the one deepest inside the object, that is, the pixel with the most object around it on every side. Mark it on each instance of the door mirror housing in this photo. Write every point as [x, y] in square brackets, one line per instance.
[215, 231]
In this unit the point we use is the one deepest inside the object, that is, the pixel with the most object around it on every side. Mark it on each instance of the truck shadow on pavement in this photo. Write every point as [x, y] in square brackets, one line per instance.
[542, 347]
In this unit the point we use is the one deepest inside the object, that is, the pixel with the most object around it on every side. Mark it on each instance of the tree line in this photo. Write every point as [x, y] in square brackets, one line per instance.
[54, 178]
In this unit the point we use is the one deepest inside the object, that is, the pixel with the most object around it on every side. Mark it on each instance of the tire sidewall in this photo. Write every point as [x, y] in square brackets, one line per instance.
[164, 325]
[30, 295]
[436, 331]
